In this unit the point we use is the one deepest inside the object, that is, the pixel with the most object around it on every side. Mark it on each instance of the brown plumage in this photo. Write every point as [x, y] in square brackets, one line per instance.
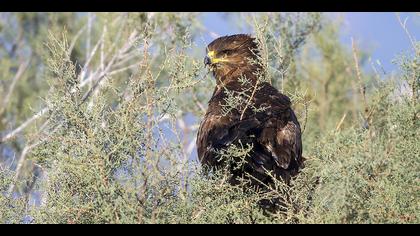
[274, 132]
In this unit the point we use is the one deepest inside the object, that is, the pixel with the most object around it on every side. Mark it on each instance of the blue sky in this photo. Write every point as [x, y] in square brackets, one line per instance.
[378, 33]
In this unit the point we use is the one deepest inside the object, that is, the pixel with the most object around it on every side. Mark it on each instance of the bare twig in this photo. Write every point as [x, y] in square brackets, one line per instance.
[88, 60]
[413, 83]
[124, 69]
[92, 89]
[199, 104]
[76, 37]
[18, 169]
[102, 48]
[26, 150]
[89, 34]
[341, 122]
[16, 131]
[106, 70]
[20, 72]
[306, 106]
[403, 25]
[97, 77]
[362, 87]
[250, 98]
[149, 98]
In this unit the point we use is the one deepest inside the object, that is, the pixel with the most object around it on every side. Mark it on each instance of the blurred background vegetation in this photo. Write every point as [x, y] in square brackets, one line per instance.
[99, 112]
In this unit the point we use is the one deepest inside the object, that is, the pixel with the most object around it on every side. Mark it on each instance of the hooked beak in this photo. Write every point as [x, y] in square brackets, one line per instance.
[207, 61]
[211, 59]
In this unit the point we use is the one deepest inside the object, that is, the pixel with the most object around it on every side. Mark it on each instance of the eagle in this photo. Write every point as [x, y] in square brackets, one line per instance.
[265, 122]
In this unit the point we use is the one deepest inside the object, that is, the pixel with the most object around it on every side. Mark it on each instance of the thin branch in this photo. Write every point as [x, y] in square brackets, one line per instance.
[341, 122]
[76, 37]
[191, 146]
[98, 76]
[20, 72]
[414, 83]
[89, 34]
[403, 25]
[13, 133]
[362, 87]
[26, 150]
[250, 98]
[149, 92]
[18, 171]
[306, 106]
[127, 57]
[87, 63]
[198, 103]
[102, 66]
[107, 70]
[123, 69]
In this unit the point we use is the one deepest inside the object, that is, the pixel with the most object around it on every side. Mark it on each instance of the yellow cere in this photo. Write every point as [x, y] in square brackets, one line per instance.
[210, 54]
[214, 60]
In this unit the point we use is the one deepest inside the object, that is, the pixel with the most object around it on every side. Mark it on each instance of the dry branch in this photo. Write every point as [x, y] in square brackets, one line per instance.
[362, 87]
[97, 77]
[20, 72]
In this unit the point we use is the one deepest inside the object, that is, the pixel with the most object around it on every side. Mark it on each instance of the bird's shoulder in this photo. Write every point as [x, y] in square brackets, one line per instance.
[264, 93]
[269, 94]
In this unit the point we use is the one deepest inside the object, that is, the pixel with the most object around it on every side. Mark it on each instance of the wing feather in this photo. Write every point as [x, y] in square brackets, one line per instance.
[276, 131]
[217, 132]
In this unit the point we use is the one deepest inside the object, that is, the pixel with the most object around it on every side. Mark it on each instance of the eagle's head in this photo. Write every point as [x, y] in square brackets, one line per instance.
[237, 53]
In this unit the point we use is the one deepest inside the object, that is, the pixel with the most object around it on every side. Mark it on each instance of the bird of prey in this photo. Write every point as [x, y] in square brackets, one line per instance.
[265, 121]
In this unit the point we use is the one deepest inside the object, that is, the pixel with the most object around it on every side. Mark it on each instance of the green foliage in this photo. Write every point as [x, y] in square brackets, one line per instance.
[115, 145]
[12, 209]
[366, 180]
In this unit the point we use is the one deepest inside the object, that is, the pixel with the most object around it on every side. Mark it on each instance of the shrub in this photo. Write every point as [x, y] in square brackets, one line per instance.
[114, 143]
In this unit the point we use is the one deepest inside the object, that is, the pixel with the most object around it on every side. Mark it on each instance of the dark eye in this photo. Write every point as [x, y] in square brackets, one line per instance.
[226, 51]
